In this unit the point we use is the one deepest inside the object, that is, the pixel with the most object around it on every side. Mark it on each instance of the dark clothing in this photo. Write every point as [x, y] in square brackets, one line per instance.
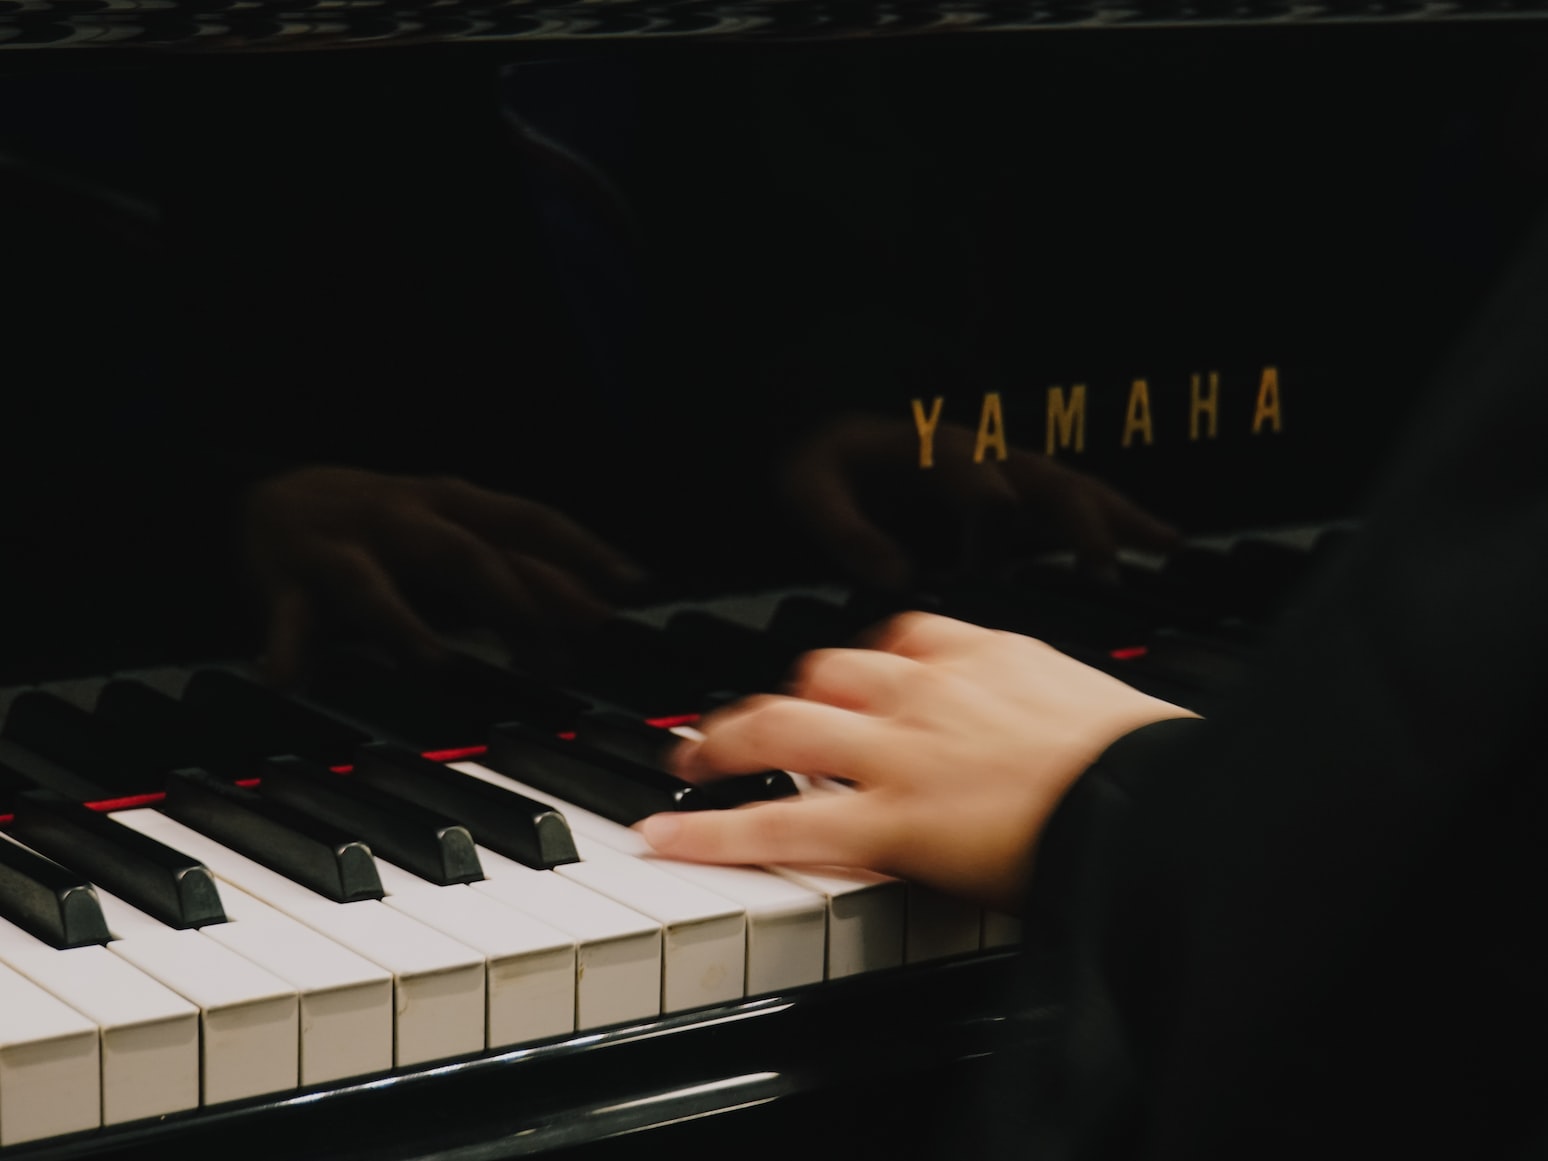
[1310, 927]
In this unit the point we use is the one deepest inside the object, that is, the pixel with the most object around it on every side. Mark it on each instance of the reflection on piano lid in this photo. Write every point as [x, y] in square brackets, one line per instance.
[201, 26]
[526, 972]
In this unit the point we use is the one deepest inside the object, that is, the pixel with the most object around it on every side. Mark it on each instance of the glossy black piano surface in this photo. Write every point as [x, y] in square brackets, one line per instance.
[650, 286]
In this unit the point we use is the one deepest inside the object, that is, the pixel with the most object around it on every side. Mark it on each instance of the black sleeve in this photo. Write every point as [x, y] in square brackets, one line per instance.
[1311, 926]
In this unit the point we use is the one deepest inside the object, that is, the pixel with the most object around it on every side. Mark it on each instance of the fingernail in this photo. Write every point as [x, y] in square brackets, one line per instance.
[660, 830]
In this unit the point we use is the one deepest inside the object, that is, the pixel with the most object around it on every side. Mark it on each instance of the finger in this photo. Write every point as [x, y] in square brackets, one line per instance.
[291, 621]
[841, 831]
[822, 498]
[927, 636]
[366, 594]
[863, 680]
[781, 733]
[537, 530]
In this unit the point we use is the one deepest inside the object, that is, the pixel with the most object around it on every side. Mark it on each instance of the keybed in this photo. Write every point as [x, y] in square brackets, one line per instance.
[295, 989]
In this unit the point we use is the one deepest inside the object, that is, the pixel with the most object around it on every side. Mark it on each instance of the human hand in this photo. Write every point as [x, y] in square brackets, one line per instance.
[837, 480]
[359, 545]
[958, 741]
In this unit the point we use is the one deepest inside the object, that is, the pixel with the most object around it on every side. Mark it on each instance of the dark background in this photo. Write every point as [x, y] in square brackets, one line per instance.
[219, 268]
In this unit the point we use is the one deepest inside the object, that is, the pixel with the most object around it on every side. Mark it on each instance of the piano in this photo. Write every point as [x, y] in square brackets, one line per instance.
[656, 267]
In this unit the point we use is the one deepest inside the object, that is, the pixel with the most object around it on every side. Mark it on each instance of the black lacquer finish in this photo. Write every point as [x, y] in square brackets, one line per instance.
[366, 689]
[74, 739]
[520, 828]
[175, 888]
[213, 26]
[441, 708]
[23, 769]
[613, 787]
[181, 735]
[54, 903]
[308, 850]
[647, 745]
[267, 723]
[430, 845]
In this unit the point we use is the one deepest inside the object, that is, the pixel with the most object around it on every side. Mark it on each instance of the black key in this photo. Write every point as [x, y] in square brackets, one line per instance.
[69, 736]
[739, 789]
[626, 737]
[489, 695]
[264, 723]
[1167, 599]
[735, 656]
[1213, 664]
[801, 624]
[642, 743]
[50, 901]
[20, 765]
[379, 694]
[12, 783]
[613, 787]
[520, 828]
[175, 888]
[330, 861]
[1052, 614]
[430, 845]
[179, 736]
[871, 607]
[636, 665]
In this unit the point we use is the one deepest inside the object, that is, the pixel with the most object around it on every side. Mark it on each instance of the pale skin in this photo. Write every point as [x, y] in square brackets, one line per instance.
[958, 742]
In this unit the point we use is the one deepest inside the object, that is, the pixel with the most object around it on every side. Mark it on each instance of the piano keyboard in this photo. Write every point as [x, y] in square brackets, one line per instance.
[336, 960]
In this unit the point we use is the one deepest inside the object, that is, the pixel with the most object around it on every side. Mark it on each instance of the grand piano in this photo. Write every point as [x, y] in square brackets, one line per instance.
[656, 266]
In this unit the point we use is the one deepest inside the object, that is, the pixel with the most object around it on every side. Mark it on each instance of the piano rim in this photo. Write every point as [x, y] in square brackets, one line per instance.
[582, 1088]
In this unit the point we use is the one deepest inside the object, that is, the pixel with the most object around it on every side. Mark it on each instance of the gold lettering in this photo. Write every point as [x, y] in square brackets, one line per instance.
[1268, 402]
[991, 430]
[1138, 420]
[926, 427]
[1067, 418]
[1201, 404]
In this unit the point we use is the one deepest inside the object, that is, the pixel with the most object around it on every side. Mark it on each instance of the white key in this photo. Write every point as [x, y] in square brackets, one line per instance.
[704, 936]
[149, 1035]
[787, 924]
[249, 1018]
[529, 966]
[867, 912]
[1000, 930]
[617, 951]
[50, 1064]
[865, 916]
[346, 1001]
[939, 925]
[438, 984]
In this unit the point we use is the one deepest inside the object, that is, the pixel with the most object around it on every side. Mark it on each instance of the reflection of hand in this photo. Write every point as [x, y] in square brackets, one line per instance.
[826, 480]
[349, 543]
[959, 741]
